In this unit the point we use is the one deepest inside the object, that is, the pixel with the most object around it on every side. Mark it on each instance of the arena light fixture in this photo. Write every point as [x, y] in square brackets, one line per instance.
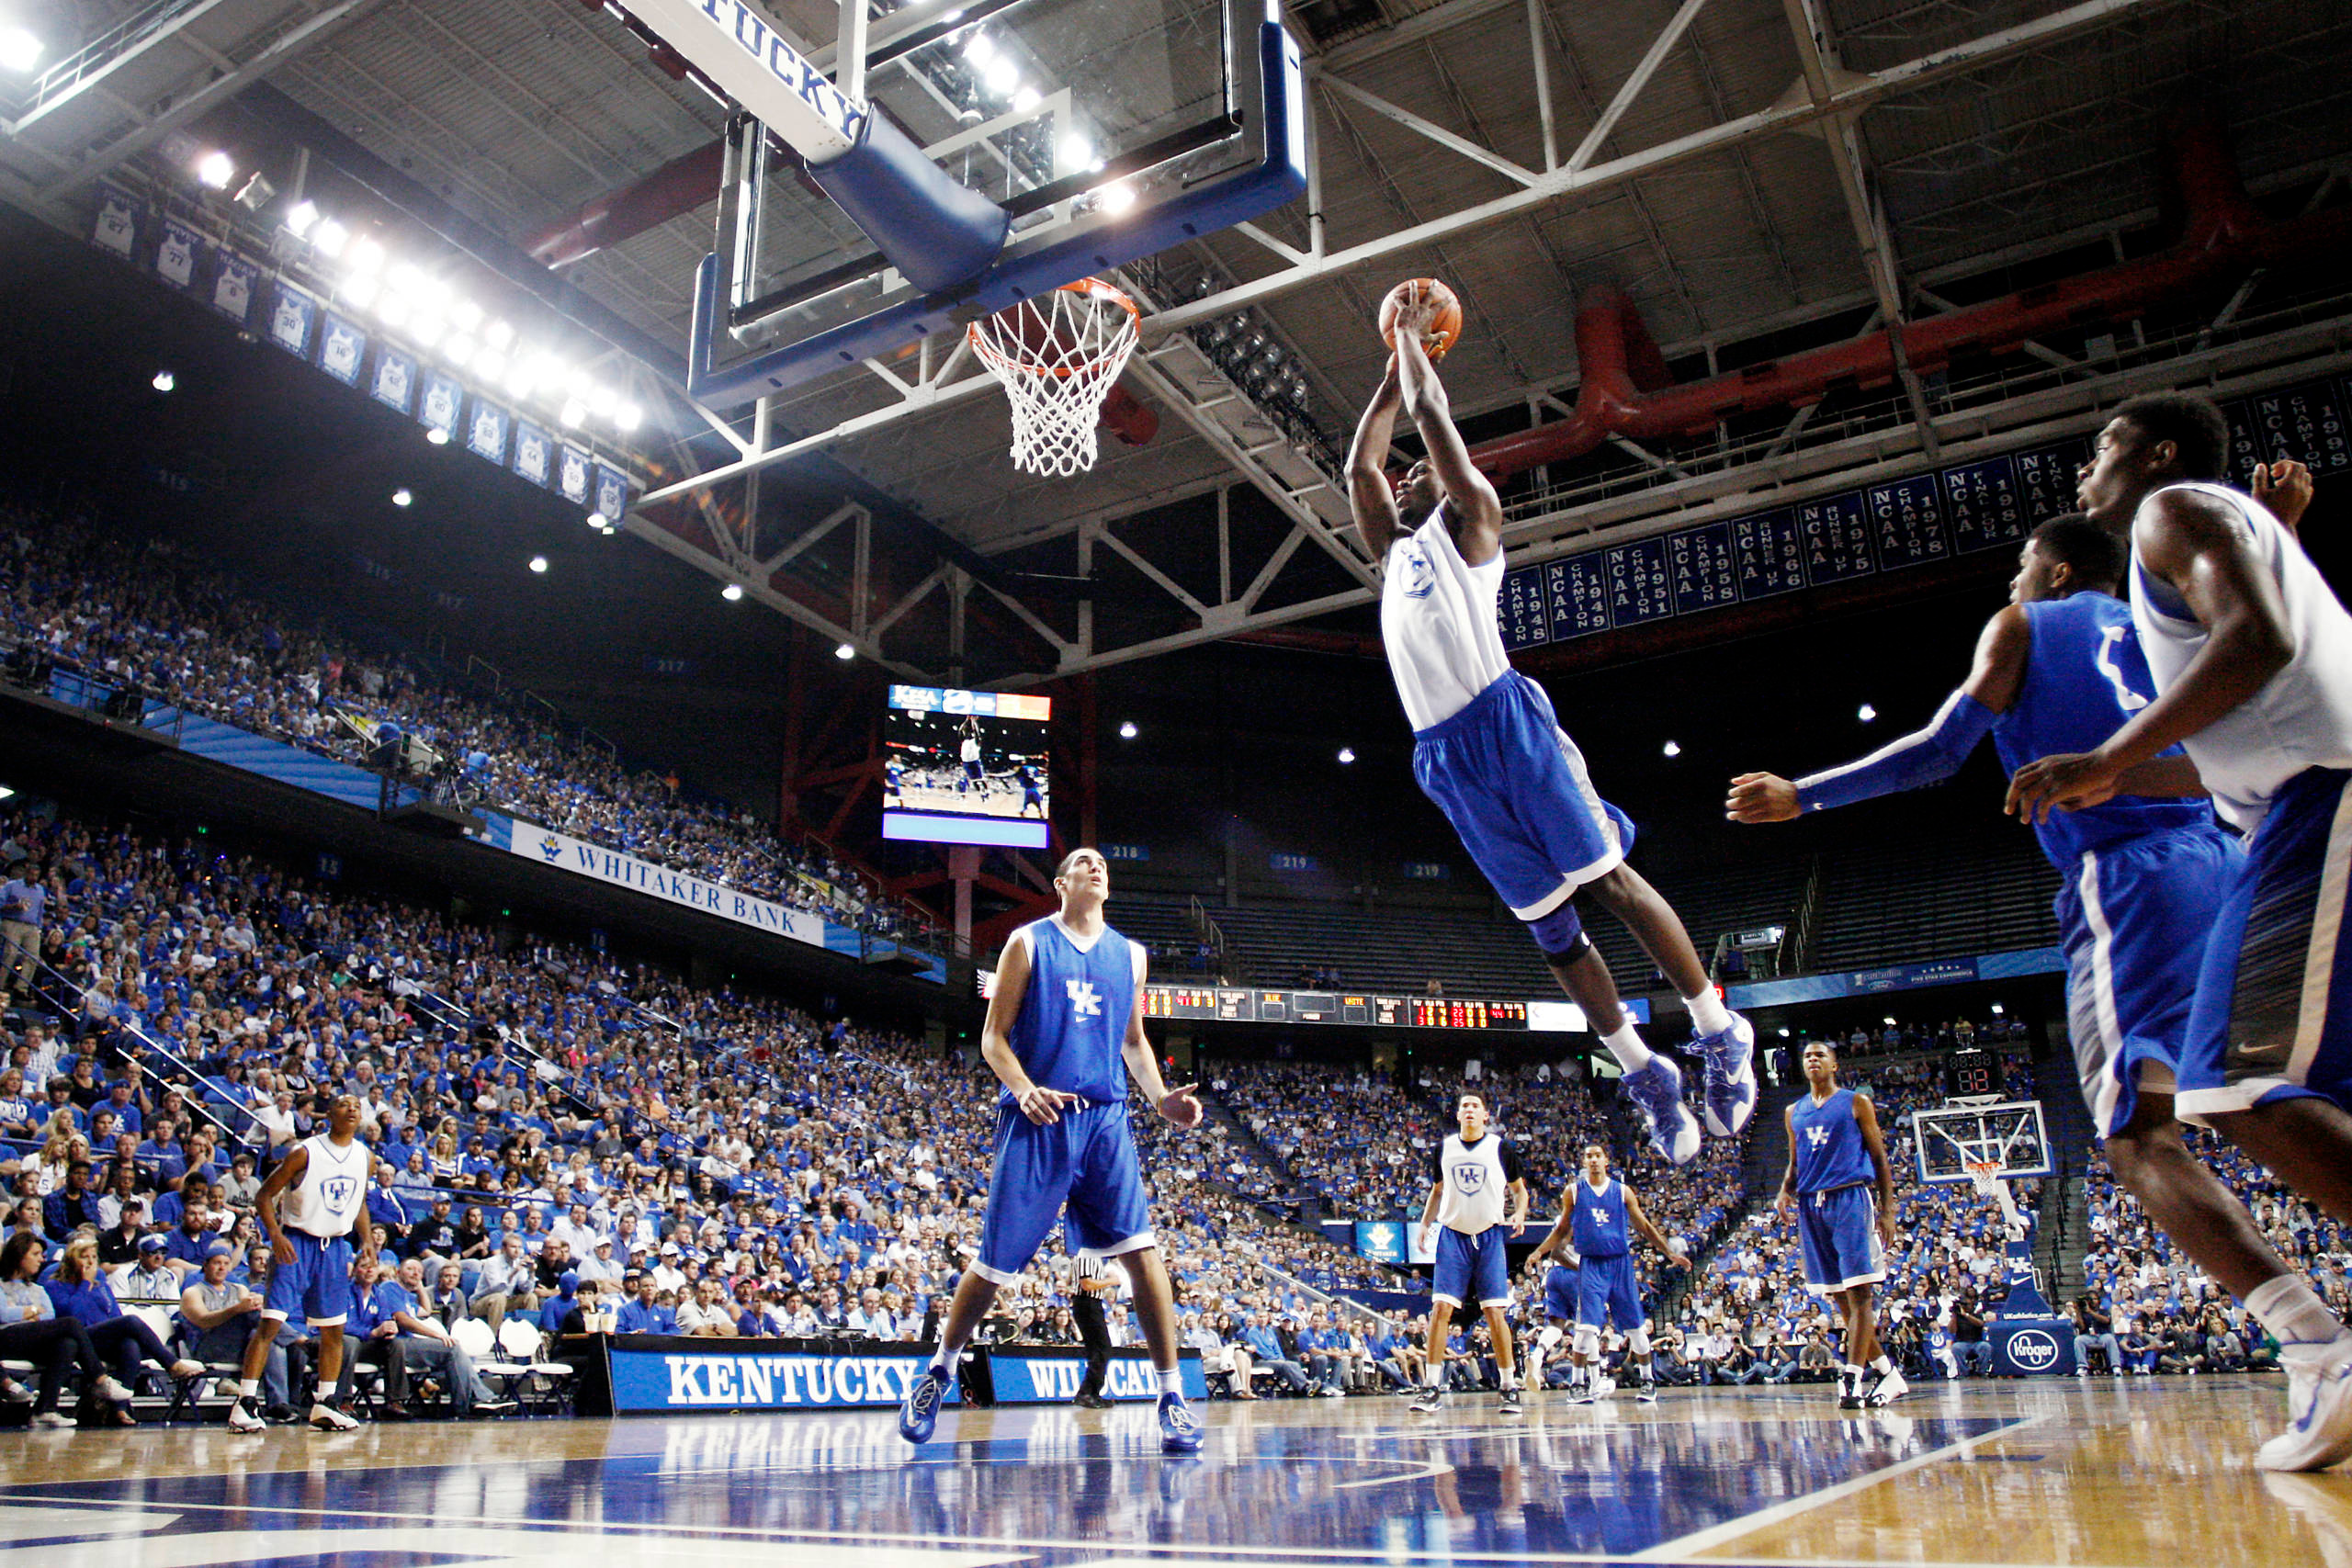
[438, 436]
[19, 51]
[1025, 99]
[330, 237]
[1674, 748]
[980, 49]
[1866, 713]
[1001, 75]
[1888, 1021]
[1997, 1010]
[1347, 755]
[215, 170]
[731, 593]
[401, 497]
[602, 399]
[458, 350]
[301, 218]
[392, 309]
[575, 415]
[165, 381]
[1127, 731]
[256, 193]
[365, 256]
[596, 521]
[490, 365]
[359, 289]
[539, 564]
[1785, 1034]
[465, 315]
[499, 334]
[1117, 196]
[521, 376]
[628, 417]
[427, 331]
[844, 651]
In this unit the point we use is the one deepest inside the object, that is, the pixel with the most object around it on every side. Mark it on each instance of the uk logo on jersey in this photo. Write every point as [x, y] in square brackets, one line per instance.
[1084, 1001]
[1469, 1176]
[338, 1190]
[1816, 1136]
[1420, 576]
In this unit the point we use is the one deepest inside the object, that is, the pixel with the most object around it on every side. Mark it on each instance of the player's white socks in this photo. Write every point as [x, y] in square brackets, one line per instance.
[1627, 1048]
[1511, 1378]
[1173, 1381]
[1708, 1014]
[1882, 1366]
[2293, 1310]
[248, 1388]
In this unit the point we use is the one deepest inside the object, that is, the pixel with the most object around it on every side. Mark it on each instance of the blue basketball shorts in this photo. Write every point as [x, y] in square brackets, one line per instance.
[1838, 1231]
[1472, 1267]
[317, 1285]
[1560, 1292]
[1608, 1295]
[1515, 788]
[2273, 1014]
[2133, 921]
[1085, 1162]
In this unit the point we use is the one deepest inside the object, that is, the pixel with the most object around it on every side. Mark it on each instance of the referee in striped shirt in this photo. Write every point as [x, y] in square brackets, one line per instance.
[1090, 1281]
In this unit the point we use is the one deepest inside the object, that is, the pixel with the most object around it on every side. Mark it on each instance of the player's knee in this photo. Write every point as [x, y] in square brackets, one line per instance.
[1638, 1342]
[1560, 934]
[1587, 1344]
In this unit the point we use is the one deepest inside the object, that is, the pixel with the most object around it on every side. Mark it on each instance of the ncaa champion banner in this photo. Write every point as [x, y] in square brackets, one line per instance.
[647, 1381]
[550, 848]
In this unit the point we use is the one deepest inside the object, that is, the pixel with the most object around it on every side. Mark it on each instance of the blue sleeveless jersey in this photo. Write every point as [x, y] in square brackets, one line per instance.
[2085, 677]
[1074, 1016]
[1830, 1151]
[1600, 1228]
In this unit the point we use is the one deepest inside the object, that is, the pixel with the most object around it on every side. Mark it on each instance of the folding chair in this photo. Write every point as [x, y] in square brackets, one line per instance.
[474, 1337]
[551, 1381]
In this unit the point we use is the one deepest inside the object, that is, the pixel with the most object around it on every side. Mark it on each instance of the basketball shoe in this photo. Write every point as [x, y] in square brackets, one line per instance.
[920, 1411]
[1730, 1093]
[1180, 1428]
[2319, 1407]
[1657, 1089]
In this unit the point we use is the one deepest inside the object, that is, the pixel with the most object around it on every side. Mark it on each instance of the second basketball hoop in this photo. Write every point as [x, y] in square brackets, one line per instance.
[1057, 358]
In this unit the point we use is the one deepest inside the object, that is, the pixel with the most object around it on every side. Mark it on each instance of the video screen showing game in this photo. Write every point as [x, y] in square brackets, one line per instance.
[966, 767]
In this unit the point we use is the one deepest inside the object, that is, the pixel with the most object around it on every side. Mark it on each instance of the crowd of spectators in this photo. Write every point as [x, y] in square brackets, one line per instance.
[143, 614]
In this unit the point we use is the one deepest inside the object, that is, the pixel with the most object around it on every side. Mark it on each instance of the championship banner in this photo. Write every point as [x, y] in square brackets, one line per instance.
[177, 255]
[612, 494]
[486, 432]
[551, 848]
[575, 475]
[232, 288]
[534, 452]
[290, 318]
[117, 227]
[395, 381]
[437, 406]
[646, 1381]
[342, 347]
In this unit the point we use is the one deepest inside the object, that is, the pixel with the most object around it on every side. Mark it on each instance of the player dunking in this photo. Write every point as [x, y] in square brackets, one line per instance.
[1488, 750]
[1474, 1174]
[1064, 1036]
[1844, 1193]
[2252, 658]
[2061, 670]
[1598, 1217]
[976, 775]
[314, 1207]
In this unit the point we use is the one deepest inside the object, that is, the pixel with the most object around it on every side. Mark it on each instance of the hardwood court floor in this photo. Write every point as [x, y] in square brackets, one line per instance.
[2097, 1474]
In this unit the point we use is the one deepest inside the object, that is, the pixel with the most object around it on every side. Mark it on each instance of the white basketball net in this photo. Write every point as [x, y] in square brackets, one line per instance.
[1057, 358]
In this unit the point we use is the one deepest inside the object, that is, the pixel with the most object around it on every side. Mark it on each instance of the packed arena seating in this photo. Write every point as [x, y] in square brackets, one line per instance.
[142, 613]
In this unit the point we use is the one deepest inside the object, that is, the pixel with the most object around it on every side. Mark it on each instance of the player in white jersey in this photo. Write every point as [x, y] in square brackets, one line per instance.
[2252, 659]
[1475, 1192]
[1489, 751]
[314, 1207]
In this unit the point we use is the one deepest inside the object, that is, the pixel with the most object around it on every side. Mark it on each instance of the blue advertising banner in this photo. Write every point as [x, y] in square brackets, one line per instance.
[1898, 978]
[1022, 1378]
[739, 1379]
[1383, 1241]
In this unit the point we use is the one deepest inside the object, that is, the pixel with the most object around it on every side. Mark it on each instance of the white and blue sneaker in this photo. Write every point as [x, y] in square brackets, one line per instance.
[2319, 1407]
[1730, 1094]
[1180, 1428]
[920, 1411]
[1657, 1089]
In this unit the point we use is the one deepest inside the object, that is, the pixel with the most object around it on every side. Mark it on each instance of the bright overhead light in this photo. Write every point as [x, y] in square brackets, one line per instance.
[19, 51]
[1078, 153]
[1347, 753]
[1025, 99]
[427, 331]
[1118, 198]
[459, 351]
[392, 309]
[165, 381]
[366, 255]
[520, 379]
[539, 563]
[1866, 713]
[407, 277]
[1674, 748]
[980, 49]
[731, 593]
[596, 521]
[1002, 75]
[1127, 731]
[1888, 1021]
[573, 414]
[437, 435]
[628, 417]
[359, 289]
[602, 399]
[256, 193]
[499, 335]
[401, 497]
[466, 314]
[300, 216]
[330, 237]
[844, 651]
[490, 365]
[215, 170]
[1996, 1009]
[1784, 1034]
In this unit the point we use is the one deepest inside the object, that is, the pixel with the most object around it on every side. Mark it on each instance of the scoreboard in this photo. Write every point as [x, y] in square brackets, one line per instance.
[1244, 1004]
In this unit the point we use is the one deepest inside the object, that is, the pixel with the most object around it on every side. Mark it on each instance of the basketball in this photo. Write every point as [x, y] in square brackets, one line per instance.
[1445, 321]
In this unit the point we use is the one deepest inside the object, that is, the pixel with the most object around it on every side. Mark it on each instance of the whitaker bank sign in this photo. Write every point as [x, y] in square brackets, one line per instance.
[550, 848]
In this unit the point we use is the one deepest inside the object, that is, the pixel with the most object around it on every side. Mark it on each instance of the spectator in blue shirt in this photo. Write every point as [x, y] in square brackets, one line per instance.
[1267, 1348]
[24, 898]
[72, 1205]
[80, 1291]
[642, 1314]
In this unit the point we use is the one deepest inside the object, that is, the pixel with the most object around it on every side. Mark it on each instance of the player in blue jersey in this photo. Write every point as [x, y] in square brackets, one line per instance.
[2251, 652]
[1489, 751]
[1033, 789]
[1843, 1191]
[1064, 1036]
[1599, 1218]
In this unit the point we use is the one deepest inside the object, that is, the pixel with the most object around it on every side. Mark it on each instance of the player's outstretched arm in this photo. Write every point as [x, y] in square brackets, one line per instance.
[1369, 496]
[1477, 511]
[1923, 757]
[2202, 550]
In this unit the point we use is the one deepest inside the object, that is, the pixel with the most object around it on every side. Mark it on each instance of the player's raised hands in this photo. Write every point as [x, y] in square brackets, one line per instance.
[1043, 1105]
[1181, 1106]
[1761, 797]
[2285, 487]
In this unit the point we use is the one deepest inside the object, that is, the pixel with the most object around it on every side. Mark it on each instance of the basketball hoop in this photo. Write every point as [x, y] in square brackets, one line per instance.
[1057, 358]
[1984, 1173]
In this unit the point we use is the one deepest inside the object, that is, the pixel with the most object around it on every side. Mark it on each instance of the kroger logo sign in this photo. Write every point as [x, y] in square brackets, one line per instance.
[2034, 1350]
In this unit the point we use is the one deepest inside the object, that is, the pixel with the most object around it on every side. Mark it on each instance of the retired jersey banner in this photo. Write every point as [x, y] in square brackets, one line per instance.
[486, 431]
[575, 475]
[534, 452]
[438, 405]
[117, 227]
[290, 318]
[232, 288]
[612, 494]
[341, 348]
[179, 253]
[394, 382]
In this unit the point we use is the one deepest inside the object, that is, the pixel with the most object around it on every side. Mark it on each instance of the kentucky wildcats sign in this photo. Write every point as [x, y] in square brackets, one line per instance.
[670, 1380]
[1023, 1379]
[742, 48]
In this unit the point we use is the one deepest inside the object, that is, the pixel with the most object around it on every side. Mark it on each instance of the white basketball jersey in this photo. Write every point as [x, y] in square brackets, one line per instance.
[2303, 716]
[332, 1189]
[1439, 621]
[971, 749]
[1477, 1187]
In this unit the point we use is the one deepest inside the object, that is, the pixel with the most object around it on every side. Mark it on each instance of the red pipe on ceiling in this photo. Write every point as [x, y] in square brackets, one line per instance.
[1625, 391]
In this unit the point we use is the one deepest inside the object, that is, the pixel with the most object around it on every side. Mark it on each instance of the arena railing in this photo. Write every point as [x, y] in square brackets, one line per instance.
[63, 996]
